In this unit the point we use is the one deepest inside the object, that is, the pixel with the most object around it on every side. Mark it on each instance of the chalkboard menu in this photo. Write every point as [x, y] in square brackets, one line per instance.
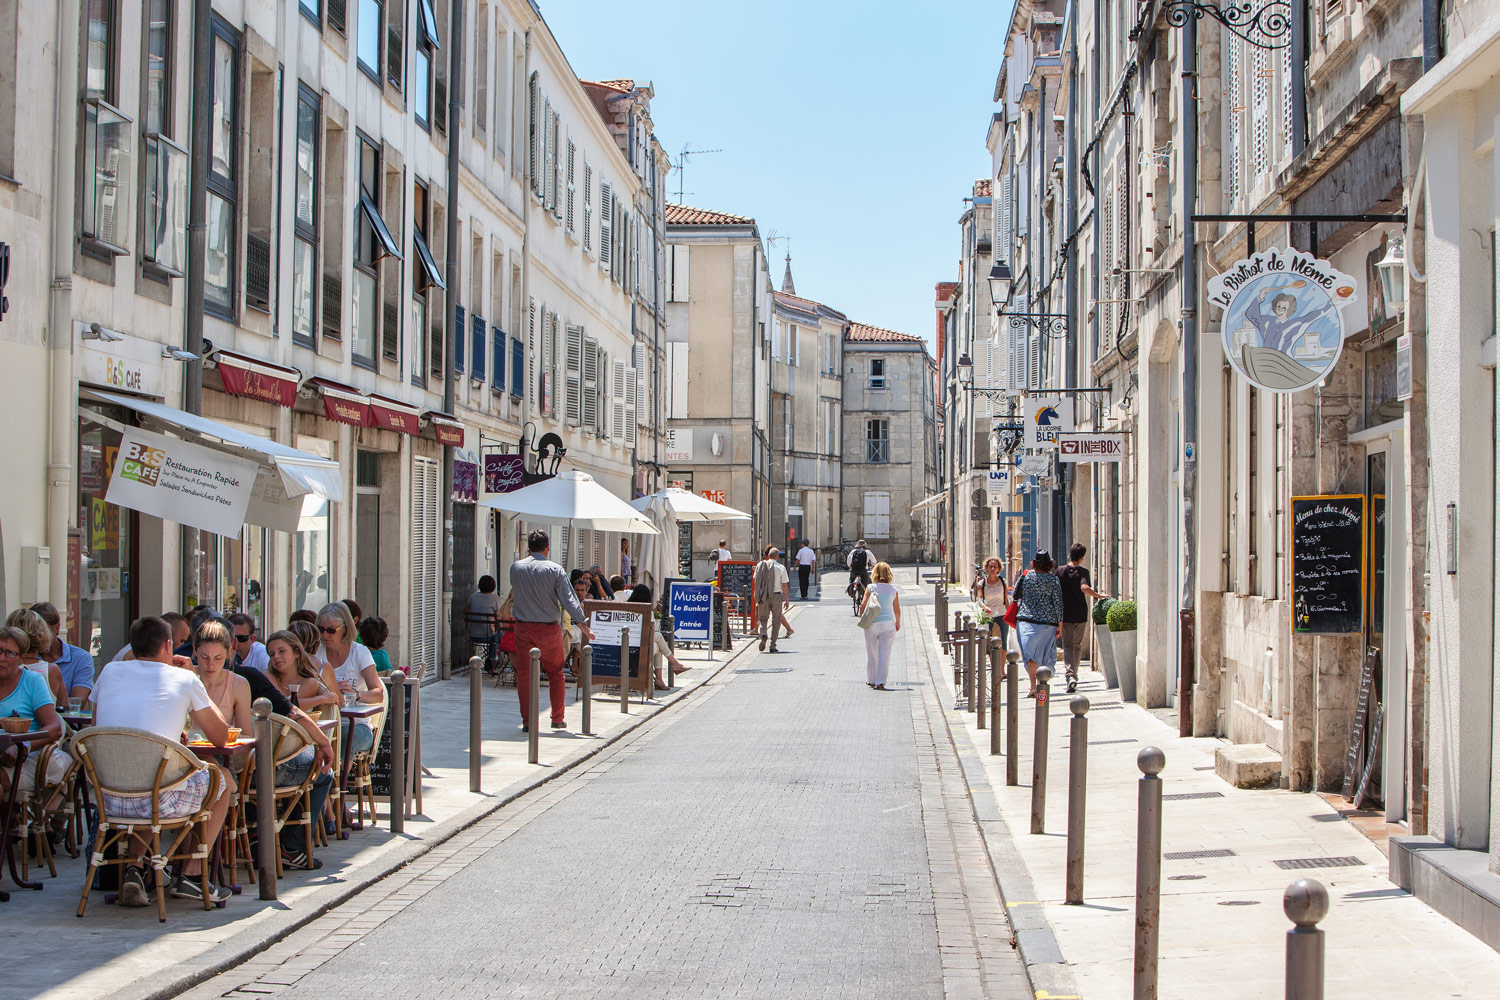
[380, 767]
[735, 578]
[1328, 564]
[609, 620]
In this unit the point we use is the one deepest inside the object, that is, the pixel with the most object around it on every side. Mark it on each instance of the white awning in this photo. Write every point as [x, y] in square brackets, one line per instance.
[286, 474]
[931, 501]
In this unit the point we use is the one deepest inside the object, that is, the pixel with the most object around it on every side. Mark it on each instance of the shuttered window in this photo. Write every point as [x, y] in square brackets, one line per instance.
[497, 368]
[617, 400]
[588, 207]
[533, 133]
[606, 226]
[426, 478]
[573, 379]
[877, 514]
[458, 341]
[477, 326]
[572, 153]
[517, 367]
[1234, 110]
[591, 418]
[533, 373]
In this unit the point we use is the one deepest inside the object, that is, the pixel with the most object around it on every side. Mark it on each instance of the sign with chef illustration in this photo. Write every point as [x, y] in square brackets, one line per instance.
[1283, 325]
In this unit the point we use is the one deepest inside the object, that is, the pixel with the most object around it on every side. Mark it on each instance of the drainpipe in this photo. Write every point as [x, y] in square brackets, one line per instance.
[198, 142]
[450, 269]
[63, 419]
[1432, 33]
[1189, 153]
[1299, 77]
[1070, 215]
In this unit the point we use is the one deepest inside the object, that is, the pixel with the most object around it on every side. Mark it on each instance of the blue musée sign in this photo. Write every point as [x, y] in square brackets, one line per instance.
[691, 607]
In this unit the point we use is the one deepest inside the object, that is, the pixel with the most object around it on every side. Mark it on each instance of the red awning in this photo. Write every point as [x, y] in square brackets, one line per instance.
[447, 428]
[342, 403]
[245, 376]
[394, 415]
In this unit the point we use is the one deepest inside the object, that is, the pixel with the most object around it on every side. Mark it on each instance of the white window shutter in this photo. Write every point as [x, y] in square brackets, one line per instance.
[572, 154]
[617, 400]
[632, 404]
[606, 225]
[1234, 110]
[588, 207]
[533, 359]
[575, 375]
[679, 395]
[534, 163]
[590, 380]
[638, 401]
[557, 166]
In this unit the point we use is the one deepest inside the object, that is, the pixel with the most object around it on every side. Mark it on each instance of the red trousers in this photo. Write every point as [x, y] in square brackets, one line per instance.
[547, 637]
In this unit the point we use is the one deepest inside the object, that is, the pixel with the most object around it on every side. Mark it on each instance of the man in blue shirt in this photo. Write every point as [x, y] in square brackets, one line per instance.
[76, 664]
[248, 650]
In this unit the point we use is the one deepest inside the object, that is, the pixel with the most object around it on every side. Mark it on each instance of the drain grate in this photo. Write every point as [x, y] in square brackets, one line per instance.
[1184, 796]
[1185, 878]
[1104, 708]
[1342, 861]
[765, 670]
[1100, 743]
[1212, 852]
[1239, 902]
[1208, 767]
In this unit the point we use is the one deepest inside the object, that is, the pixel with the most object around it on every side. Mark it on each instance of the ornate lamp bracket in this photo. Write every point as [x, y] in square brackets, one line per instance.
[1266, 24]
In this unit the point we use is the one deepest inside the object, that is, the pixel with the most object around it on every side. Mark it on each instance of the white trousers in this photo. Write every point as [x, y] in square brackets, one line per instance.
[879, 638]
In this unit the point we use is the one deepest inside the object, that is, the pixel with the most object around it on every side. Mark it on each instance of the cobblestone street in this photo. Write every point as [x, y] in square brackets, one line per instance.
[794, 834]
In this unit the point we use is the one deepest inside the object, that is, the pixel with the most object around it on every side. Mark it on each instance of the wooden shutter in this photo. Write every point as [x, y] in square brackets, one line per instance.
[533, 113]
[477, 345]
[554, 350]
[497, 369]
[557, 166]
[631, 390]
[574, 376]
[617, 400]
[590, 380]
[1234, 110]
[572, 153]
[423, 650]
[458, 341]
[678, 358]
[588, 207]
[517, 367]
[533, 371]
[1260, 88]
[639, 400]
[606, 225]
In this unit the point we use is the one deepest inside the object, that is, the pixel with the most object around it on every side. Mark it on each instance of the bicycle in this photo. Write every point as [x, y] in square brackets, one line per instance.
[857, 587]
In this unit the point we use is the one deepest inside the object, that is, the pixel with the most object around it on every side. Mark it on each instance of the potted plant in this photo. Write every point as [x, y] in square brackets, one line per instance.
[1103, 648]
[1121, 621]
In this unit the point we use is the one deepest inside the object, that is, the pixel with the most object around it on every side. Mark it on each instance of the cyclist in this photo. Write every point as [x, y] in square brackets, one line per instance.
[861, 562]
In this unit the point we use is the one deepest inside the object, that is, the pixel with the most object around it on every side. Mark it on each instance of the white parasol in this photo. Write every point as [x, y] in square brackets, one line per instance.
[658, 557]
[573, 499]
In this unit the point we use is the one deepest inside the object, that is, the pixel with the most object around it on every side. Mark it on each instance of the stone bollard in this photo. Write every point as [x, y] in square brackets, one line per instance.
[981, 661]
[588, 690]
[1012, 719]
[267, 843]
[1305, 903]
[1078, 774]
[997, 673]
[476, 721]
[1039, 752]
[396, 723]
[1148, 872]
[625, 671]
[533, 708]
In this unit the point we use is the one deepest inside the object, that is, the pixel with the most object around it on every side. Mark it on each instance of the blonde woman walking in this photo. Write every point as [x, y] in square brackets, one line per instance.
[881, 635]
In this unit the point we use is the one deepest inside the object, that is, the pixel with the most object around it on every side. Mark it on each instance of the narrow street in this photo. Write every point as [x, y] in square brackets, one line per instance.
[793, 834]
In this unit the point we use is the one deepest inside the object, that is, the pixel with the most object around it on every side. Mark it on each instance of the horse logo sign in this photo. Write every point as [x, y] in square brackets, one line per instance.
[1046, 419]
[1283, 325]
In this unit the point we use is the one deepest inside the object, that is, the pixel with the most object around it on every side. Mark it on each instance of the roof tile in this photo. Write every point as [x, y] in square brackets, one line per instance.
[684, 215]
[865, 332]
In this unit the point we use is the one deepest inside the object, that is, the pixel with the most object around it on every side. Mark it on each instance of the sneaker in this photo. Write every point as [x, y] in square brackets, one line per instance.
[188, 887]
[762, 642]
[133, 887]
[299, 861]
[559, 725]
[1072, 686]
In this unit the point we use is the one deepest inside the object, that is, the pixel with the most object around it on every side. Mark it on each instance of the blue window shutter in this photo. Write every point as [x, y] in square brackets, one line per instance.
[497, 372]
[517, 367]
[458, 342]
[477, 370]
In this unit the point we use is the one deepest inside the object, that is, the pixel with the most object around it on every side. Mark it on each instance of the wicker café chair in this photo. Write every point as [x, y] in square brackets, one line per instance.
[133, 763]
[289, 739]
[359, 781]
[35, 812]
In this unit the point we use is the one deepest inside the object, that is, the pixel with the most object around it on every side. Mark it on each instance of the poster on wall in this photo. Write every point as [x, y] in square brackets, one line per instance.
[182, 482]
[504, 473]
[1283, 327]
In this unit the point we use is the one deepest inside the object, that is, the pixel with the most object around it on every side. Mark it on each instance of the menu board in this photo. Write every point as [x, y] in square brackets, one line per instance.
[380, 765]
[610, 620]
[735, 577]
[1328, 564]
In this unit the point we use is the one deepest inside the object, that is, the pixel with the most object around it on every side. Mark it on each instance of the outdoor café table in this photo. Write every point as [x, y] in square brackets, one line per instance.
[22, 743]
[223, 756]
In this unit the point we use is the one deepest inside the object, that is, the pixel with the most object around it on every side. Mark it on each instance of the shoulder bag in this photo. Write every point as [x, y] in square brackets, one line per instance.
[872, 610]
[1015, 603]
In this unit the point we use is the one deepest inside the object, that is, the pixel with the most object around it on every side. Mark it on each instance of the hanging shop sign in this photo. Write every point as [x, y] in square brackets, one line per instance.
[244, 376]
[997, 485]
[342, 404]
[466, 479]
[394, 415]
[1095, 447]
[504, 473]
[1283, 326]
[180, 481]
[1035, 463]
[448, 429]
[1047, 417]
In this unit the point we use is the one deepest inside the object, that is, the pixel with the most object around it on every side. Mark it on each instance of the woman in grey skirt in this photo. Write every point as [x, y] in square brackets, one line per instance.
[1039, 616]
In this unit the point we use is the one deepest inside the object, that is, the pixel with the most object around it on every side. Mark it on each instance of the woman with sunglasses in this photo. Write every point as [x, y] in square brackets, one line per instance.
[353, 669]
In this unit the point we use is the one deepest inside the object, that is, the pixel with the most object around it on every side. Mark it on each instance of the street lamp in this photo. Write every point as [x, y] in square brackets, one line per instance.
[965, 370]
[1392, 268]
[1000, 281]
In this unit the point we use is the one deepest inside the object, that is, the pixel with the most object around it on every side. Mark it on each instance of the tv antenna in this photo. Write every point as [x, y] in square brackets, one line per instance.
[681, 167]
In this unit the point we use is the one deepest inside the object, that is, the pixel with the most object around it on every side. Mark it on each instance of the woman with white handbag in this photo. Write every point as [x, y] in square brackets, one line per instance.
[880, 617]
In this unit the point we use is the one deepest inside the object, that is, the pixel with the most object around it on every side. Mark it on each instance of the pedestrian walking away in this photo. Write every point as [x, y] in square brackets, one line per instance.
[1038, 595]
[806, 558]
[541, 593]
[771, 592]
[1076, 590]
[880, 636]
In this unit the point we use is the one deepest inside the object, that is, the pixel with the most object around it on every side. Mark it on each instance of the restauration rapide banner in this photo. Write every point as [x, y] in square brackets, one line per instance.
[179, 481]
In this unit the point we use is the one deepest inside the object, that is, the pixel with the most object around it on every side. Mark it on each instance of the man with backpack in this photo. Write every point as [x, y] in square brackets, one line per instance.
[861, 562]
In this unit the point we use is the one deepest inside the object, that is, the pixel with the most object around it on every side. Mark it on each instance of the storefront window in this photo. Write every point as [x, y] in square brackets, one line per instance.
[227, 574]
[100, 601]
[311, 555]
[1381, 404]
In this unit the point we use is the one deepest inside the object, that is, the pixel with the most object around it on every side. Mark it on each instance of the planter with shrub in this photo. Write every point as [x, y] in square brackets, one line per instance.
[1103, 648]
[1122, 636]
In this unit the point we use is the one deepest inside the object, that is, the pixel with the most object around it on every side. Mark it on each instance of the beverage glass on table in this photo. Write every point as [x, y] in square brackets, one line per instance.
[234, 734]
[350, 698]
[75, 706]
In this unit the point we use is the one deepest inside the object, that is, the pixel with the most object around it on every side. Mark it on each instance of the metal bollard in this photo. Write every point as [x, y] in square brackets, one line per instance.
[668, 630]
[476, 721]
[267, 842]
[1078, 776]
[1039, 751]
[997, 672]
[1305, 903]
[533, 708]
[1012, 719]
[971, 660]
[940, 612]
[624, 672]
[981, 660]
[396, 713]
[588, 690]
[956, 647]
[1148, 872]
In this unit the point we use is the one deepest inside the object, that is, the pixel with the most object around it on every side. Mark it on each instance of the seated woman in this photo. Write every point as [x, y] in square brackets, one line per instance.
[373, 632]
[641, 594]
[294, 675]
[24, 694]
[212, 645]
[39, 641]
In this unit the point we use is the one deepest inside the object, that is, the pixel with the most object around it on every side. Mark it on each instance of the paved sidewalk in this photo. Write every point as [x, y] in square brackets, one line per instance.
[127, 953]
[1222, 924]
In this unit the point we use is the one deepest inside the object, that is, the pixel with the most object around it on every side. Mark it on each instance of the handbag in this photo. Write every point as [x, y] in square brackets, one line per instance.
[1014, 607]
[871, 612]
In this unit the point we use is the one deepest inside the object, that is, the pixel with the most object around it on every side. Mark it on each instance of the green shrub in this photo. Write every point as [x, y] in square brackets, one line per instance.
[1121, 616]
[1101, 608]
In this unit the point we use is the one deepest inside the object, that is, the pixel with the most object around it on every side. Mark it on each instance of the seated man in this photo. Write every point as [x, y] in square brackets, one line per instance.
[153, 692]
[76, 664]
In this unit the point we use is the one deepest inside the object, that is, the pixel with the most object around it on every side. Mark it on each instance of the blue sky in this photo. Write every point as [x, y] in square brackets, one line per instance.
[856, 128]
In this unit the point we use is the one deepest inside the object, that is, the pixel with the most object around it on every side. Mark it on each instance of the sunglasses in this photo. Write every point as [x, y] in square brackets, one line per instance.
[327, 630]
[241, 638]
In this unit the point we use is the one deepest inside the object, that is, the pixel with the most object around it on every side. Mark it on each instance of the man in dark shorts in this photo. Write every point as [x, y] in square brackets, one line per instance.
[1075, 581]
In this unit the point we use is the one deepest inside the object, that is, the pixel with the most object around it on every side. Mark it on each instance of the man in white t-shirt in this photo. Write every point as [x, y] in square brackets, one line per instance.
[806, 559]
[721, 554]
[159, 692]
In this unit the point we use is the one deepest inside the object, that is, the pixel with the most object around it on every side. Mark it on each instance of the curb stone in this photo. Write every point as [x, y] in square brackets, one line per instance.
[280, 922]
